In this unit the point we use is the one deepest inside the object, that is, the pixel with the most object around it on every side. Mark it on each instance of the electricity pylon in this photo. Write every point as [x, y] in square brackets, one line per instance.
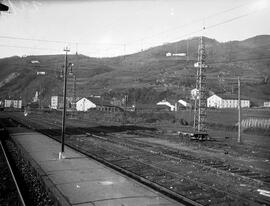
[201, 97]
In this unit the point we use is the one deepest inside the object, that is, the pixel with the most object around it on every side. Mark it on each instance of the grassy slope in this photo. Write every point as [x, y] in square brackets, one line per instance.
[169, 77]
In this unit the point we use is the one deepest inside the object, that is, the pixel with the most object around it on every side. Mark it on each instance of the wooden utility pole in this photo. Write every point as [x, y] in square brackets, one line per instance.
[61, 156]
[239, 111]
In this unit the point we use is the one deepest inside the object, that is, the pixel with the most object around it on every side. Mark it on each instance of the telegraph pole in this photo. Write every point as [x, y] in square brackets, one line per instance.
[61, 154]
[239, 111]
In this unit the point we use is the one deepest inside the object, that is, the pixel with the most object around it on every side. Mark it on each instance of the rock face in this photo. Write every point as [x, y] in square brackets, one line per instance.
[9, 78]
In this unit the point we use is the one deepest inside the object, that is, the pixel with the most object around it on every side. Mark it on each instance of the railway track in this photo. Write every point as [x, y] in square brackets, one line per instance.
[213, 164]
[29, 187]
[146, 162]
[19, 197]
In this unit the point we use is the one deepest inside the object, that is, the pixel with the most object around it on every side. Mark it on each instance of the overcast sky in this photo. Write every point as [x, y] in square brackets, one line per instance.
[117, 27]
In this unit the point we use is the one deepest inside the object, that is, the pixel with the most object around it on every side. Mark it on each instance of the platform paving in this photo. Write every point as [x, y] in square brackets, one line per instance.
[83, 181]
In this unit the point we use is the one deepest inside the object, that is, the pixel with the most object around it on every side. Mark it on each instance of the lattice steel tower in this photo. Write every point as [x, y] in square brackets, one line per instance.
[201, 97]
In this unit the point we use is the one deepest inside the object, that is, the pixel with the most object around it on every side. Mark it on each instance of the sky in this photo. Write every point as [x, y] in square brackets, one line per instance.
[101, 28]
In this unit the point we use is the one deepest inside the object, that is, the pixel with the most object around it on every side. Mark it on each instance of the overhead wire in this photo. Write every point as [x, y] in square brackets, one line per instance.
[213, 25]
[125, 44]
[56, 41]
[193, 21]
[25, 47]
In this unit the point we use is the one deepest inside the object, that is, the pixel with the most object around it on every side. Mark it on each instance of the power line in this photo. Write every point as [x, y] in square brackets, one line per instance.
[193, 21]
[25, 47]
[124, 44]
[239, 60]
[213, 25]
[59, 41]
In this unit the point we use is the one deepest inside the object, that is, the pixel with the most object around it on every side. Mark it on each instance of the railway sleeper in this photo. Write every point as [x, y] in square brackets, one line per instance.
[134, 168]
[220, 166]
[162, 177]
[242, 172]
[166, 182]
[178, 186]
[199, 195]
[253, 175]
[264, 178]
[263, 201]
[146, 172]
[125, 163]
[234, 170]
[114, 158]
[224, 201]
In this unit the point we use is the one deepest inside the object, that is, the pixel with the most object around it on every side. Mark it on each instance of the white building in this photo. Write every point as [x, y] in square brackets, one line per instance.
[36, 97]
[194, 93]
[179, 55]
[34, 61]
[226, 102]
[13, 103]
[57, 102]
[166, 103]
[214, 101]
[184, 103]
[266, 104]
[84, 104]
[41, 73]
[54, 102]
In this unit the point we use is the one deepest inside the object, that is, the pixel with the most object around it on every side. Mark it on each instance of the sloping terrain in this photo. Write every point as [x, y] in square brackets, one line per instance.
[147, 76]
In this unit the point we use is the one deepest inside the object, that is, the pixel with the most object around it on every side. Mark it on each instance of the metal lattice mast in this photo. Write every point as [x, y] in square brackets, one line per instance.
[201, 102]
[74, 81]
[74, 92]
[196, 102]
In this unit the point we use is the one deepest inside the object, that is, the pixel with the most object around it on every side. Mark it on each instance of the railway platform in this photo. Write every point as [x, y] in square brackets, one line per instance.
[79, 180]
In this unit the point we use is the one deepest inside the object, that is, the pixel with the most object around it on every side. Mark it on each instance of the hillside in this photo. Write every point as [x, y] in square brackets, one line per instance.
[147, 76]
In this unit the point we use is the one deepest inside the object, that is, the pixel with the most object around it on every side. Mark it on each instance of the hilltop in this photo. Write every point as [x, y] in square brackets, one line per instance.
[146, 76]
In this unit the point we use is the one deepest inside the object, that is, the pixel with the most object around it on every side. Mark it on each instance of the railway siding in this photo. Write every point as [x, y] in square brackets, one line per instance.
[150, 167]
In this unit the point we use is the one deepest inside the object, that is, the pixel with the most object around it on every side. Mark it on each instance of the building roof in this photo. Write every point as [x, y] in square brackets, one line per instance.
[98, 101]
[230, 96]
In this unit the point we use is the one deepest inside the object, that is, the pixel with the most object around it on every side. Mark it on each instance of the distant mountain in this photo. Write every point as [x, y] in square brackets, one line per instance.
[146, 76]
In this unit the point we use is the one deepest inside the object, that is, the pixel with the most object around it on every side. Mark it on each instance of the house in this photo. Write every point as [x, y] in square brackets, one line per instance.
[160, 108]
[183, 103]
[168, 104]
[223, 101]
[57, 102]
[54, 102]
[214, 101]
[34, 61]
[194, 93]
[36, 97]
[266, 104]
[84, 104]
[41, 73]
[179, 54]
[116, 102]
[13, 103]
